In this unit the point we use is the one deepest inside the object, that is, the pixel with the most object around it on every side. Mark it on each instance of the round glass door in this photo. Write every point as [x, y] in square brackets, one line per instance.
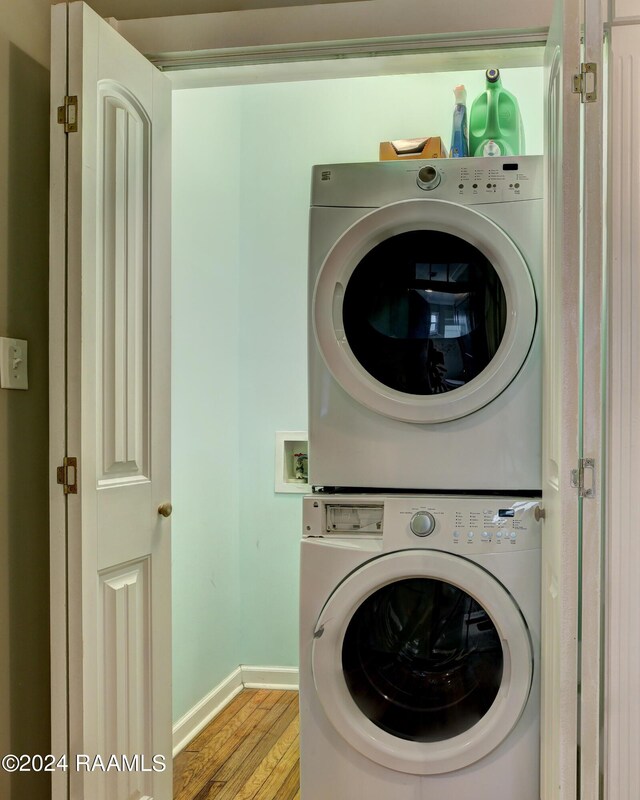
[424, 311]
[422, 661]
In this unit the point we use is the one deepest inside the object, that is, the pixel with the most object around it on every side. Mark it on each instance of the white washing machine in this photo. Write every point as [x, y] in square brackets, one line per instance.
[424, 345]
[419, 648]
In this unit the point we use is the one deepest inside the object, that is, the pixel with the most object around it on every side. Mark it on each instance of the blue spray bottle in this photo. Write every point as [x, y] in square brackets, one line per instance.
[460, 132]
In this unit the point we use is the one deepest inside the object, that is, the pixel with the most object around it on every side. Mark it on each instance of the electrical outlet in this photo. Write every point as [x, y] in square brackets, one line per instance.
[13, 364]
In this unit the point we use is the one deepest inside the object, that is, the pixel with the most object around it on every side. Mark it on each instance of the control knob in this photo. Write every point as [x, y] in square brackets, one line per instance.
[422, 523]
[429, 177]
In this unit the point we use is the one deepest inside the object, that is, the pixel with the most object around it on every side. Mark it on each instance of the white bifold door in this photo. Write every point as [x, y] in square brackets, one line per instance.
[110, 398]
[574, 336]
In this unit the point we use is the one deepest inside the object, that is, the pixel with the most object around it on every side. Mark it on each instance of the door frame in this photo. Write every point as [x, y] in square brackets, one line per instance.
[59, 545]
[437, 46]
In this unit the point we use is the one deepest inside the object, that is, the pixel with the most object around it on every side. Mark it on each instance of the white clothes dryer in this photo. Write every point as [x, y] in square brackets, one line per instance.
[424, 345]
[419, 648]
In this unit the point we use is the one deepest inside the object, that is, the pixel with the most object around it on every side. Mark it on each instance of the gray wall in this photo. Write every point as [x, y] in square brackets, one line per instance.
[24, 519]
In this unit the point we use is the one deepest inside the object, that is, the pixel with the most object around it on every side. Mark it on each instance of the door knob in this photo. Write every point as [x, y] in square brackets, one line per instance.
[165, 509]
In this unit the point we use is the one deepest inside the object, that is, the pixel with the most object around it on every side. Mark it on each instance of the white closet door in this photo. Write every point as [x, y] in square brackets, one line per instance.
[591, 530]
[622, 779]
[110, 410]
[560, 409]
[572, 408]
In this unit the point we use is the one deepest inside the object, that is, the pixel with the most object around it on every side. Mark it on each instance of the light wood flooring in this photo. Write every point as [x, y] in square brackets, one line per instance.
[249, 751]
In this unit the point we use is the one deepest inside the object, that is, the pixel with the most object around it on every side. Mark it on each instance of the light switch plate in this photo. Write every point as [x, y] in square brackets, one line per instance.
[13, 364]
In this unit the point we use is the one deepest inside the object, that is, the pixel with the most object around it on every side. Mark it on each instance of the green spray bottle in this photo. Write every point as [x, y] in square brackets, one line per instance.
[495, 124]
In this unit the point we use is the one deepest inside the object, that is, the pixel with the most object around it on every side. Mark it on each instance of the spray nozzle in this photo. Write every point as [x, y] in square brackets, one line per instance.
[461, 95]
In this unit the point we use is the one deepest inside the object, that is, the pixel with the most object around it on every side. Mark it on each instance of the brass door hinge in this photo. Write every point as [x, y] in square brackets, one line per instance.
[68, 114]
[588, 75]
[68, 475]
[577, 477]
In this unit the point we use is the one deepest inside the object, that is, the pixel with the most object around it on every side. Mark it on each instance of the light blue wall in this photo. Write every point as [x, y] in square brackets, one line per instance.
[278, 132]
[205, 418]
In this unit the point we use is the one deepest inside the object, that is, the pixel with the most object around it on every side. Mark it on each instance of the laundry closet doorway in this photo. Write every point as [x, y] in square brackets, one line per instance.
[244, 519]
[242, 158]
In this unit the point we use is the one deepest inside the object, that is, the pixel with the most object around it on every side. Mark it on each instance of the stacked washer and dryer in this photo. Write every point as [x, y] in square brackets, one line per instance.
[420, 557]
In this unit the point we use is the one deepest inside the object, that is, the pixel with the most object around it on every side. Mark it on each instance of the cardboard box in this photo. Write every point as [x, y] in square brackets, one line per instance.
[402, 149]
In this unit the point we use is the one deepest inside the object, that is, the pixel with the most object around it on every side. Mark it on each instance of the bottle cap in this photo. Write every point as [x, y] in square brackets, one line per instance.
[491, 148]
[493, 74]
[461, 95]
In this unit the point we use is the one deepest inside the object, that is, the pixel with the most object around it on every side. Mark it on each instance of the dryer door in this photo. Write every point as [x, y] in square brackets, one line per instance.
[424, 311]
[422, 661]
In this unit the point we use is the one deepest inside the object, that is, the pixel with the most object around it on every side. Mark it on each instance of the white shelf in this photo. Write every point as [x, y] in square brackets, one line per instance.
[288, 444]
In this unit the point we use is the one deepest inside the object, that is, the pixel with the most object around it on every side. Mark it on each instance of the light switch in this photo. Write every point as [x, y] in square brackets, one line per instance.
[13, 364]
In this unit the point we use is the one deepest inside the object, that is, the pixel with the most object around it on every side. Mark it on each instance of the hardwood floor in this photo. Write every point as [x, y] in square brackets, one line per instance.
[249, 751]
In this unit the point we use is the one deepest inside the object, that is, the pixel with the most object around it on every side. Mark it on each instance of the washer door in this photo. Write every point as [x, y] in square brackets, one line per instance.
[424, 311]
[422, 661]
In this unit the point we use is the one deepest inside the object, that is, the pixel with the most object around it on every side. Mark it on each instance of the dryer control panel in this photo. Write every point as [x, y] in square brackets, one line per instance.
[465, 524]
[467, 181]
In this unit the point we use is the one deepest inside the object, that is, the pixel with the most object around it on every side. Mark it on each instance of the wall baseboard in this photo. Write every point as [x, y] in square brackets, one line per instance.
[270, 677]
[198, 717]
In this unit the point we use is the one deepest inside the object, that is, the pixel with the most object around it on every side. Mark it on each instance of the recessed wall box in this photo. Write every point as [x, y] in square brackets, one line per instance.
[292, 458]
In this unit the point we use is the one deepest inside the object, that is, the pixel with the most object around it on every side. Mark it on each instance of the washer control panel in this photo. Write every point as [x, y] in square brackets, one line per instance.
[465, 524]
